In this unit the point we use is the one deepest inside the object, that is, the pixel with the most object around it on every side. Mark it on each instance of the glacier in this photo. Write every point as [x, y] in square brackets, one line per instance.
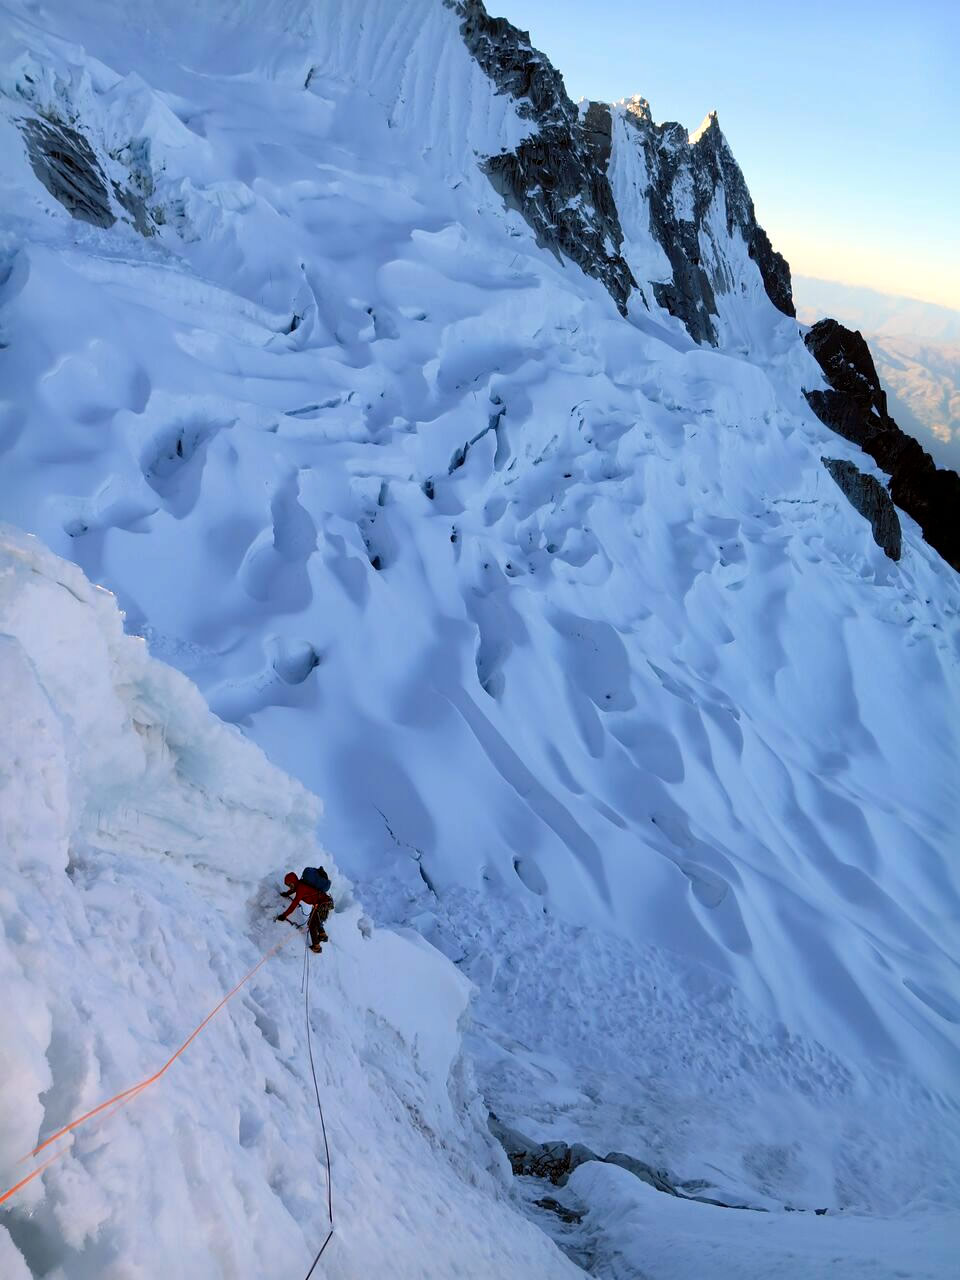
[637, 748]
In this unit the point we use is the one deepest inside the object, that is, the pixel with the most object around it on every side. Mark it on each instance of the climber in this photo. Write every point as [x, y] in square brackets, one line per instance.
[310, 888]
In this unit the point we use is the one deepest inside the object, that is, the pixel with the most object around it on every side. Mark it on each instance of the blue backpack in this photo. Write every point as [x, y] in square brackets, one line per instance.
[316, 878]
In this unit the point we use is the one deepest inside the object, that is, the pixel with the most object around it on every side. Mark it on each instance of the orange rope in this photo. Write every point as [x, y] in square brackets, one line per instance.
[11, 1191]
[122, 1100]
[127, 1095]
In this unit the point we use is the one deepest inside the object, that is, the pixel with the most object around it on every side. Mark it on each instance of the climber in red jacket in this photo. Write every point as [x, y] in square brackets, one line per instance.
[313, 896]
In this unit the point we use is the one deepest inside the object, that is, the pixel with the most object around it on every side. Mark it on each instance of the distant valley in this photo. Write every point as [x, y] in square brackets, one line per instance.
[916, 346]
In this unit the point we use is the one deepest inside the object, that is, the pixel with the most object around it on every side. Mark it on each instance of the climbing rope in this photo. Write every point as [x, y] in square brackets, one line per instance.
[127, 1095]
[323, 1127]
[118, 1100]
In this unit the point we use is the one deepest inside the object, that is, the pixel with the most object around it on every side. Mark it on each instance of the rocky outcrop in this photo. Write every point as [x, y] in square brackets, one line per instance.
[868, 496]
[856, 408]
[713, 167]
[847, 365]
[555, 1161]
[655, 1178]
[558, 180]
[685, 177]
[773, 267]
[557, 177]
[65, 163]
[690, 295]
[565, 1214]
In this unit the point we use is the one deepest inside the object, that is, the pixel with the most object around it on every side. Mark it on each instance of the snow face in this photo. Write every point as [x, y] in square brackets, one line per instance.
[679, 1239]
[143, 840]
[559, 613]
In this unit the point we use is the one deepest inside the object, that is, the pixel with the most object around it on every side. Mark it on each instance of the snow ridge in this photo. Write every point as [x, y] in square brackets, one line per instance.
[609, 693]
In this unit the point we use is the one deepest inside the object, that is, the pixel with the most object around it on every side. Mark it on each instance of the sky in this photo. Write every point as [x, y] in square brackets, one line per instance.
[843, 115]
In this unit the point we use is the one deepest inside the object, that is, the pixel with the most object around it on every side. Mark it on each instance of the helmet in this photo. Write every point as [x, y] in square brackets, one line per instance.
[290, 879]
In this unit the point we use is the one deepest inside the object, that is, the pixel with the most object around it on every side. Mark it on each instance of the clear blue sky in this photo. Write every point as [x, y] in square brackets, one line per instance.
[844, 116]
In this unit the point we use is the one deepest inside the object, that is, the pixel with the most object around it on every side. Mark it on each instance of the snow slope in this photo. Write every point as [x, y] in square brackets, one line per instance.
[142, 842]
[607, 689]
[637, 1232]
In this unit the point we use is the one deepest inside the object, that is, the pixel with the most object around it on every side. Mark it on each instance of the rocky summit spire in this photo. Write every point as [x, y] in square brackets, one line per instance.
[558, 178]
[688, 177]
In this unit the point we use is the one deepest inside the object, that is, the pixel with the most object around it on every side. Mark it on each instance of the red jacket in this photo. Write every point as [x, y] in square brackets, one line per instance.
[305, 893]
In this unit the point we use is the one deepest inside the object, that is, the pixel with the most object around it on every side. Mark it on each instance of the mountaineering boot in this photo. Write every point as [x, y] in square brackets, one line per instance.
[322, 935]
[316, 947]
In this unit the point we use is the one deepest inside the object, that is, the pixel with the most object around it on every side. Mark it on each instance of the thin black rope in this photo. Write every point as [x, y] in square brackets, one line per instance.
[323, 1127]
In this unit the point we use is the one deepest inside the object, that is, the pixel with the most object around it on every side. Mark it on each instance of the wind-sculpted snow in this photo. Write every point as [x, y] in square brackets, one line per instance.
[142, 842]
[554, 607]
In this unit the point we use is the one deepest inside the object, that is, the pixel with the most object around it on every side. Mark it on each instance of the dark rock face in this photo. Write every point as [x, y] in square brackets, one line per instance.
[554, 1161]
[570, 1216]
[774, 269]
[713, 166]
[684, 178]
[847, 364]
[556, 178]
[65, 163]
[868, 496]
[856, 408]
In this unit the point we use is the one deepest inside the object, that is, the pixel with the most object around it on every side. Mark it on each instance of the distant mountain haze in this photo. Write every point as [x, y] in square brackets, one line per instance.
[804, 99]
[872, 311]
[916, 347]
